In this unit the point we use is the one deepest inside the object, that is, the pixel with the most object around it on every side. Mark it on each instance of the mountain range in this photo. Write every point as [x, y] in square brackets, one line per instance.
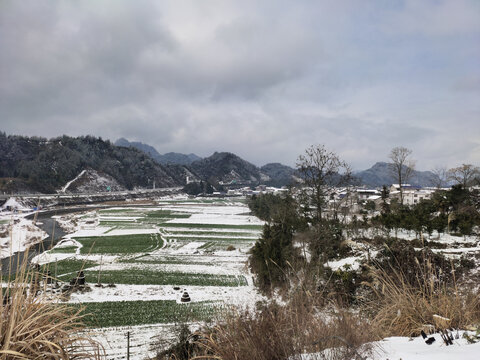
[380, 174]
[34, 164]
[229, 168]
[168, 158]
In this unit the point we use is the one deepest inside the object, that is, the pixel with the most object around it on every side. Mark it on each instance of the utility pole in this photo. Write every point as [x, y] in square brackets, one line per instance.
[53, 233]
[128, 345]
[99, 269]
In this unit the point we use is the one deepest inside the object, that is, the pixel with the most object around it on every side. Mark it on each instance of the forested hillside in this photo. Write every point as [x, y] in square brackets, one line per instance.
[228, 168]
[39, 164]
[170, 158]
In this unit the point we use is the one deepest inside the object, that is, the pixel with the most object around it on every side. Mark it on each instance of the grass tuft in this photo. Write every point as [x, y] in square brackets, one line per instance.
[405, 308]
[32, 327]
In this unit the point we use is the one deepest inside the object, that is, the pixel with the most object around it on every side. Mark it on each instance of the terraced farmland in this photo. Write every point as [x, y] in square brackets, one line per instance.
[145, 257]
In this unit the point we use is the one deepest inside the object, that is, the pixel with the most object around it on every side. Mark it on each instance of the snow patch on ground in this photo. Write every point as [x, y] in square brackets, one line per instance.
[71, 181]
[123, 292]
[350, 263]
[17, 235]
[218, 219]
[403, 348]
[12, 203]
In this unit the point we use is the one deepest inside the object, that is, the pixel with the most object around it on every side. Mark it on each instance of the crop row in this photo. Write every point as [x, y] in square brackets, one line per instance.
[64, 250]
[137, 276]
[120, 244]
[214, 239]
[211, 226]
[197, 201]
[118, 211]
[167, 214]
[145, 259]
[173, 232]
[129, 313]
[68, 266]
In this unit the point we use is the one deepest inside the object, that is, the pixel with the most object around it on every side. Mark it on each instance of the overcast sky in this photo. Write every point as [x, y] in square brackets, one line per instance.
[262, 79]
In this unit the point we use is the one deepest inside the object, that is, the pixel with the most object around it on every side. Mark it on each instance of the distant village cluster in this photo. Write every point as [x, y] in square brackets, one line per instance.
[351, 200]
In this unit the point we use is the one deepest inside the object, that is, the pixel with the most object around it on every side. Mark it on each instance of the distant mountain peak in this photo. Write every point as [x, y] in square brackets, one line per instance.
[228, 168]
[279, 174]
[165, 159]
[380, 174]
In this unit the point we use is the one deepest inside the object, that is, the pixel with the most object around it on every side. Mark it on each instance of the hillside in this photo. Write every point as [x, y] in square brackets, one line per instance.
[380, 174]
[221, 167]
[280, 175]
[178, 158]
[92, 181]
[38, 164]
[168, 158]
[147, 149]
[228, 169]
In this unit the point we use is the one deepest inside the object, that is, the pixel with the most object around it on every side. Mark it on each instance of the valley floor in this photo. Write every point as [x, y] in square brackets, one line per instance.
[144, 257]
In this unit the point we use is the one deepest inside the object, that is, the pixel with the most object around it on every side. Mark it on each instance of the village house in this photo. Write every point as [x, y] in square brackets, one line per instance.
[411, 194]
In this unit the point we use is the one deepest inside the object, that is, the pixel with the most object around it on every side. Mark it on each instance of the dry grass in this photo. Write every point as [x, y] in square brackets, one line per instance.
[404, 308]
[32, 327]
[284, 332]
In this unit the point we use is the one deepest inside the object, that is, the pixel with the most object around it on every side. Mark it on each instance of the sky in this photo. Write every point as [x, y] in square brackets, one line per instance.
[262, 79]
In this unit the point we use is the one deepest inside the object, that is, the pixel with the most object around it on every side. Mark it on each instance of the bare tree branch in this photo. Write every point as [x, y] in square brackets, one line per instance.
[401, 166]
[464, 175]
[322, 169]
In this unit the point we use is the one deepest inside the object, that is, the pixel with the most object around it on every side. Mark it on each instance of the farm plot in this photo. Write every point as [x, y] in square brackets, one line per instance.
[138, 276]
[129, 313]
[159, 259]
[210, 241]
[66, 267]
[64, 250]
[152, 254]
[137, 218]
[122, 244]
[212, 226]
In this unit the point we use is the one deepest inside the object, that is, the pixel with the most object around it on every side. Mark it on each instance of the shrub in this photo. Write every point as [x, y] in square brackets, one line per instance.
[284, 332]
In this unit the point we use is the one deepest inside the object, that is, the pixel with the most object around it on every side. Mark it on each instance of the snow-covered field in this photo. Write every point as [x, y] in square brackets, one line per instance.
[202, 245]
[153, 254]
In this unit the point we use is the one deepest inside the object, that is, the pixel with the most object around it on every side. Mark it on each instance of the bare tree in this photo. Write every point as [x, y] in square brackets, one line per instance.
[401, 166]
[322, 169]
[464, 174]
[439, 177]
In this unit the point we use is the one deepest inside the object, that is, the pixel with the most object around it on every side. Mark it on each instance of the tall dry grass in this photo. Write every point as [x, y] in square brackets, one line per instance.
[402, 307]
[277, 332]
[32, 327]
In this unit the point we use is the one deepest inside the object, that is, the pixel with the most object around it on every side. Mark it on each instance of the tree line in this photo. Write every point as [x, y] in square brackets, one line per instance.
[301, 234]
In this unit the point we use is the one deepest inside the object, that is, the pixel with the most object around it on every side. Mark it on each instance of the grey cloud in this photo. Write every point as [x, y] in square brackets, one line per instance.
[262, 79]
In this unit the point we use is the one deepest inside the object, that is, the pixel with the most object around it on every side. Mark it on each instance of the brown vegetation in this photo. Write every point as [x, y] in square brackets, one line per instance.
[285, 332]
[31, 327]
[404, 308]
